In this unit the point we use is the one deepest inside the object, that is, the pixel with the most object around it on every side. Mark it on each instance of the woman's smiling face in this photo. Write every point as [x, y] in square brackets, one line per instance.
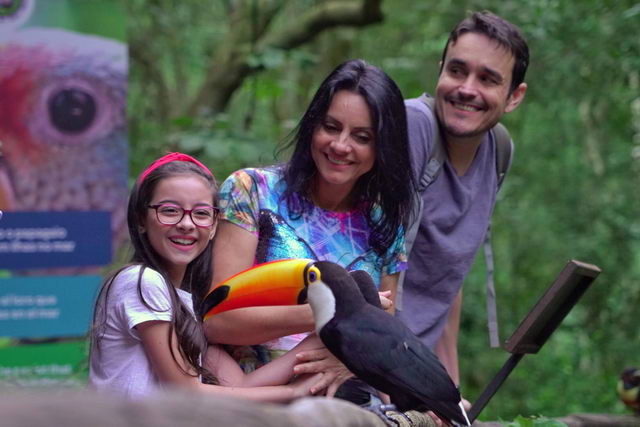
[343, 145]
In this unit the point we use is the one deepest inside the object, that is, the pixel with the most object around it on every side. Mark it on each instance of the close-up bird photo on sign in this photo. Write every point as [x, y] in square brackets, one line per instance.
[63, 178]
[63, 141]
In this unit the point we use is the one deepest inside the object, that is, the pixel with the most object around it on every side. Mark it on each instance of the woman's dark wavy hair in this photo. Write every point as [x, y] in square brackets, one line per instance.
[389, 183]
[197, 277]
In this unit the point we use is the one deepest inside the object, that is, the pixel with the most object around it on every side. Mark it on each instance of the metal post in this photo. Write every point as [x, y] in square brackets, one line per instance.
[493, 386]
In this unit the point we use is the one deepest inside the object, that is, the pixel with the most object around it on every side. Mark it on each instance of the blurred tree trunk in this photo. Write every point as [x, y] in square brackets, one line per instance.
[232, 64]
[255, 30]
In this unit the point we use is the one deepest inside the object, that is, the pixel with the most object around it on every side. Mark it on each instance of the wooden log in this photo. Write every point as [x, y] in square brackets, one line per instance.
[174, 408]
[600, 420]
[80, 408]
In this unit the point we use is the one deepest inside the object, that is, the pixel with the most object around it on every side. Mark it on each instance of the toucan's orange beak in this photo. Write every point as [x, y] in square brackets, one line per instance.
[272, 283]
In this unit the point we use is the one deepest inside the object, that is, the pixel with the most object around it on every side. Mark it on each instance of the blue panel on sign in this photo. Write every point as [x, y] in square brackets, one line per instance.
[54, 239]
[52, 306]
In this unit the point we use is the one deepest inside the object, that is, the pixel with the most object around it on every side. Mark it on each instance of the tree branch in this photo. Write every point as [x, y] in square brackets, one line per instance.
[322, 17]
[228, 69]
[151, 76]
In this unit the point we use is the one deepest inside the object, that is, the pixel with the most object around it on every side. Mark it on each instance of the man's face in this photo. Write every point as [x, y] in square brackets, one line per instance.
[473, 88]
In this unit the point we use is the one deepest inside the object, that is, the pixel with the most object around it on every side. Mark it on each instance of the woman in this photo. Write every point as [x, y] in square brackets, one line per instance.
[343, 196]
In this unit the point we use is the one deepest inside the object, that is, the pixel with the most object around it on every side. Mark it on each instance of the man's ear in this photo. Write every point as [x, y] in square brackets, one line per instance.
[516, 97]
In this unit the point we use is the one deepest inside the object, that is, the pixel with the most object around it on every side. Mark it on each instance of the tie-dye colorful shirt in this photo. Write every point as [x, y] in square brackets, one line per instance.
[252, 199]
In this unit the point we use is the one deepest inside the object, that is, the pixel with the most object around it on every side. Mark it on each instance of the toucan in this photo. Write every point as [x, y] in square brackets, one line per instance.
[629, 388]
[374, 345]
[378, 348]
[282, 282]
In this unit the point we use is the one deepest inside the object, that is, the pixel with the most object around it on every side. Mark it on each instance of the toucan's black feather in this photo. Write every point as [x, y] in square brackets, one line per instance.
[379, 349]
[367, 287]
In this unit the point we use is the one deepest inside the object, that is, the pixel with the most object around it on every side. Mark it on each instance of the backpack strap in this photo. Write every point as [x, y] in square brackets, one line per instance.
[438, 152]
[430, 171]
[504, 156]
[504, 151]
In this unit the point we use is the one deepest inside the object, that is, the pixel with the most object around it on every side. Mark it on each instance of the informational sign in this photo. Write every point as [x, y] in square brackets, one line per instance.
[31, 240]
[63, 178]
[39, 307]
[41, 365]
[63, 128]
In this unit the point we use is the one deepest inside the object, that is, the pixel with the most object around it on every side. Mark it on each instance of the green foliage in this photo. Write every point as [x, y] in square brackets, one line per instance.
[534, 422]
[220, 145]
[572, 192]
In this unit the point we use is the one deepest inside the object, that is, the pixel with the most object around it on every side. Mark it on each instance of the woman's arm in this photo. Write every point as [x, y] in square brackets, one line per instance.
[155, 340]
[234, 251]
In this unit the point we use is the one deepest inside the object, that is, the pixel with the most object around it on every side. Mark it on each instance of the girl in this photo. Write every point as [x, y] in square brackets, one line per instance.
[145, 335]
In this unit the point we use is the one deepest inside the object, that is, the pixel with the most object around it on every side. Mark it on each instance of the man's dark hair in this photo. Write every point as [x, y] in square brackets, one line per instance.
[503, 32]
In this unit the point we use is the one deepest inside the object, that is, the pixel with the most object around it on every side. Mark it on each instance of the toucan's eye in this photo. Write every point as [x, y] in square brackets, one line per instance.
[313, 275]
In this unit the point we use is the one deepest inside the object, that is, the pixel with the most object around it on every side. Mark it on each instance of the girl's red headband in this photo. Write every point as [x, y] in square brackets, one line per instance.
[171, 157]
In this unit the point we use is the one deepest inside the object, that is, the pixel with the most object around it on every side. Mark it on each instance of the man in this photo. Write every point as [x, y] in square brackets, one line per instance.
[481, 78]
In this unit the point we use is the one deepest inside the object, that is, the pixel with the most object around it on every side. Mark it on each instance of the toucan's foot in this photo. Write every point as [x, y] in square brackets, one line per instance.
[381, 411]
[392, 417]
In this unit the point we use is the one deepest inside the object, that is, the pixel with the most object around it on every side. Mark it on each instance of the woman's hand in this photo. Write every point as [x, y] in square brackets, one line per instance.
[385, 300]
[321, 360]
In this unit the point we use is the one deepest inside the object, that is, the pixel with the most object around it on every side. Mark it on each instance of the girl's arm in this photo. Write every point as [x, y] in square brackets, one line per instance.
[155, 340]
[278, 371]
[234, 251]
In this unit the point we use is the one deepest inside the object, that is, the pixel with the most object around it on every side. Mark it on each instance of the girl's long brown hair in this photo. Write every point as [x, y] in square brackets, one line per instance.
[198, 275]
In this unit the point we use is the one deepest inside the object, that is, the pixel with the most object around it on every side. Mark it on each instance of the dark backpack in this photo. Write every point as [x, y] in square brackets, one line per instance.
[431, 169]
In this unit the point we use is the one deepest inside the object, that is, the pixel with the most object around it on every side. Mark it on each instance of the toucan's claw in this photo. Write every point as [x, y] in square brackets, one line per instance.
[381, 411]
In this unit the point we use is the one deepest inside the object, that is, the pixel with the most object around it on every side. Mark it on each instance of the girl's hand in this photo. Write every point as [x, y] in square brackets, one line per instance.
[305, 385]
[439, 422]
[385, 300]
[314, 361]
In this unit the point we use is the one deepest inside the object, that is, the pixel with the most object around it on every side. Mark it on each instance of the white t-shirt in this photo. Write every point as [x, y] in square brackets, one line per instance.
[120, 363]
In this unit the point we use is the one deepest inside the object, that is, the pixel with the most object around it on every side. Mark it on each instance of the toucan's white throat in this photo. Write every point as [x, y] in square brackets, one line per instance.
[322, 302]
